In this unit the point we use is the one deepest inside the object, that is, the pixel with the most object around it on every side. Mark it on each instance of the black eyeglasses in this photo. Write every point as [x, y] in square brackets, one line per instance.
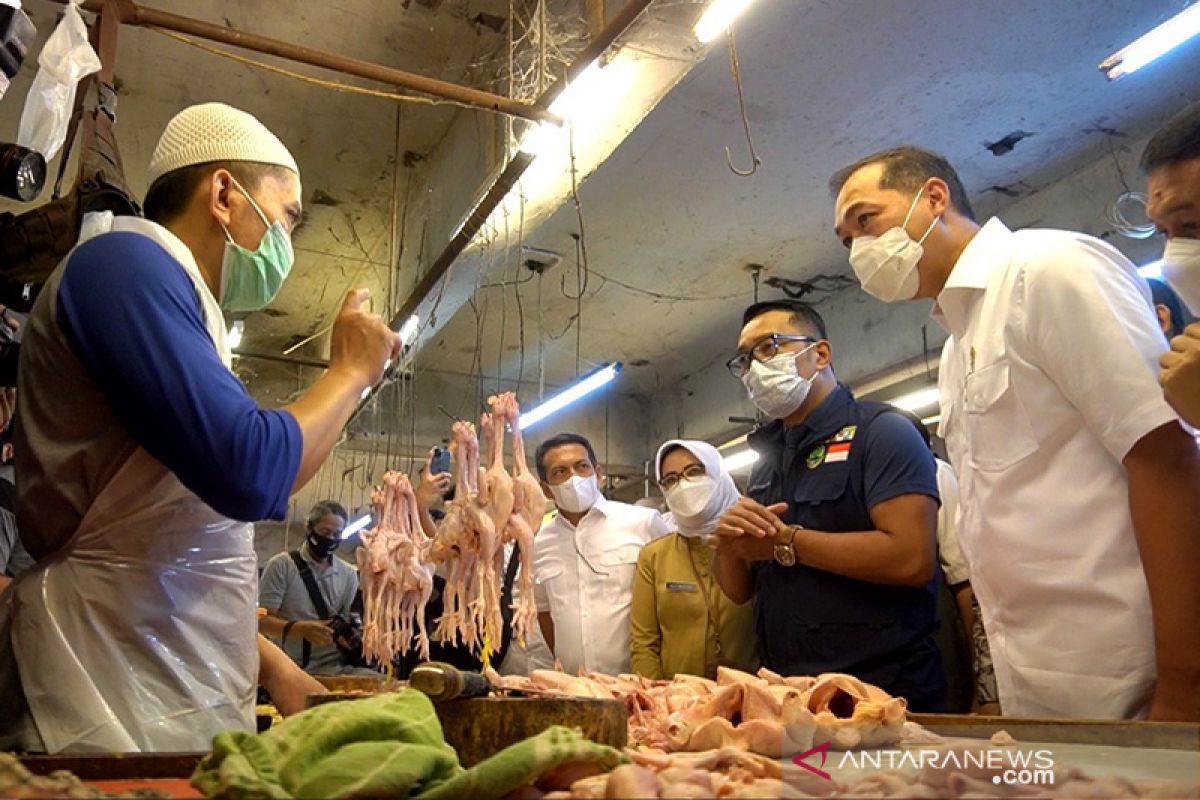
[691, 472]
[763, 349]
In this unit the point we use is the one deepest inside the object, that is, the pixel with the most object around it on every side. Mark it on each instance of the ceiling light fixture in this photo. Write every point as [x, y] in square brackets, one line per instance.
[1151, 270]
[739, 460]
[1153, 45]
[356, 526]
[410, 328]
[717, 17]
[581, 388]
[234, 337]
[934, 420]
[915, 401]
[596, 87]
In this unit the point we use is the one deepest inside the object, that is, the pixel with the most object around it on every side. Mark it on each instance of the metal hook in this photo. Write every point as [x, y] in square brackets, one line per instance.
[735, 67]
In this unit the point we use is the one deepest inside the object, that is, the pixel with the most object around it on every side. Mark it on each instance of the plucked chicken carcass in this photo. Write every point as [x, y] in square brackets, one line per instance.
[526, 516]
[396, 577]
[465, 537]
[497, 498]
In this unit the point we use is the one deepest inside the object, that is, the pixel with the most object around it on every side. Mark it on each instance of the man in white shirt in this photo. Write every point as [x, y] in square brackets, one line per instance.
[1171, 162]
[585, 560]
[1079, 488]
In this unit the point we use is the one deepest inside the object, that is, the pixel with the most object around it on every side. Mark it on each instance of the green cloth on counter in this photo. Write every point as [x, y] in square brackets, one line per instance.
[390, 745]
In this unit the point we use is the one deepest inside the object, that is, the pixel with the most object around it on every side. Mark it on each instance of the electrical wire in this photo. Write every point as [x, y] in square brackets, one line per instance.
[663, 296]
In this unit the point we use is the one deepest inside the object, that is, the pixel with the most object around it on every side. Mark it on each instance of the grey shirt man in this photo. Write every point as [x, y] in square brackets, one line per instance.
[282, 587]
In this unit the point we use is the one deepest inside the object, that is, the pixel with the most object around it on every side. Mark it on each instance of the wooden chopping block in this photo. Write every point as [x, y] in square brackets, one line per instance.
[479, 727]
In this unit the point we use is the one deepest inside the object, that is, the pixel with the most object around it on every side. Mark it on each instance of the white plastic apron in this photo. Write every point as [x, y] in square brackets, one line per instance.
[139, 634]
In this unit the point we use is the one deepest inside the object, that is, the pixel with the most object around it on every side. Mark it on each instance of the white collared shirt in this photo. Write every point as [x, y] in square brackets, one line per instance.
[584, 579]
[1047, 382]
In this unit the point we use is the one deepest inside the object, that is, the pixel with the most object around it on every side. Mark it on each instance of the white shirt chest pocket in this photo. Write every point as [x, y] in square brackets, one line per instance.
[998, 430]
[548, 573]
[620, 564]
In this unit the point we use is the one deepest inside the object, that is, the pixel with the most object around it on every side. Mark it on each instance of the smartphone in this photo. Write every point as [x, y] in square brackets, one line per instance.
[440, 462]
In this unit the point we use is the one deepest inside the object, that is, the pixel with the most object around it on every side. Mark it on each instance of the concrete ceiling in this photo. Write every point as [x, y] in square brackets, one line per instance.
[357, 152]
[825, 83]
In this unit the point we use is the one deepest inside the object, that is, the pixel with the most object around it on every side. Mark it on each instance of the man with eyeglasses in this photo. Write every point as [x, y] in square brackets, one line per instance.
[836, 538]
[586, 559]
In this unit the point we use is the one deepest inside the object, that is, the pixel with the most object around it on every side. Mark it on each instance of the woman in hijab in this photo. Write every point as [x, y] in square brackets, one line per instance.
[681, 621]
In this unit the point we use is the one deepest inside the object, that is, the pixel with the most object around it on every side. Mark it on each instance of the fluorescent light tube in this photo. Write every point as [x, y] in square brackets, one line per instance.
[408, 331]
[934, 420]
[915, 401]
[572, 393]
[1155, 44]
[1151, 270]
[234, 338]
[356, 526]
[739, 460]
[717, 17]
[594, 89]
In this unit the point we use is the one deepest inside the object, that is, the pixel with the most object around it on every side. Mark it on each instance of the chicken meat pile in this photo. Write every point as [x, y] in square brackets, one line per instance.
[764, 713]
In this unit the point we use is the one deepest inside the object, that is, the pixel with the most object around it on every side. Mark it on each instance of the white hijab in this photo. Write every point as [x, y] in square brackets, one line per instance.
[724, 496]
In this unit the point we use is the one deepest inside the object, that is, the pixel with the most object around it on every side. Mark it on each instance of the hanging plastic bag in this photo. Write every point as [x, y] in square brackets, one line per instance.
[65, 60]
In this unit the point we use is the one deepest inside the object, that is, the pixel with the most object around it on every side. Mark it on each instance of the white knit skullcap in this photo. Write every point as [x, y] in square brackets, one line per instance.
[216, 132]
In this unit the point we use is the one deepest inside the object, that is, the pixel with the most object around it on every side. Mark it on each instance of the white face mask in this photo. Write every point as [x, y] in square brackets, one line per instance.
[886, 265]
[690, 497]
[1181, 269]
[775, 386]
[576, 495]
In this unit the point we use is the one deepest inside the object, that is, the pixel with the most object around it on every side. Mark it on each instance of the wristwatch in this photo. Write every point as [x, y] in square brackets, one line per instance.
[784, 554]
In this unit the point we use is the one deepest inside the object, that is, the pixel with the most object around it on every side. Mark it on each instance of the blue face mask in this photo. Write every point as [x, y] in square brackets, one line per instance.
[251, 279]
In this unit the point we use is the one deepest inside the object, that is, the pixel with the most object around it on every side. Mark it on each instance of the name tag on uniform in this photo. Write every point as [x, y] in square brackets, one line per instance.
[673, 586]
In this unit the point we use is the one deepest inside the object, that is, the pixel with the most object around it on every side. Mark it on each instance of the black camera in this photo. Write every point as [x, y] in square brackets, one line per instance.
[347, 637]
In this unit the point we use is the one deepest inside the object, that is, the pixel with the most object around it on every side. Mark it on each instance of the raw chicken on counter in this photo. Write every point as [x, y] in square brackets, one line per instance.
[765, 713]
[732, 773]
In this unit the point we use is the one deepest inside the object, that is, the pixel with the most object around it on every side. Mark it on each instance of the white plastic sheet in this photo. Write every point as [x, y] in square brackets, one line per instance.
[66, 59]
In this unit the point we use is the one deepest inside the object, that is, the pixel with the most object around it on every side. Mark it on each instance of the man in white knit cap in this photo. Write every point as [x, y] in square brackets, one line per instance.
[143, 459]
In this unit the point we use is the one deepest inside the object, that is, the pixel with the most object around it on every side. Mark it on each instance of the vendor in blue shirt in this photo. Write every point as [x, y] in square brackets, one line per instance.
[142, 458]
[836, 540]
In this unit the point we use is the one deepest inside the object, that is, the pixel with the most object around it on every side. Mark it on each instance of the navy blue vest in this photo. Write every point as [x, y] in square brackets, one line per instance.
[810, 621]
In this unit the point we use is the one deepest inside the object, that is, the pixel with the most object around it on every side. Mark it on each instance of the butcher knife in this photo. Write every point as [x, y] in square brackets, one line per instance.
[443, 682]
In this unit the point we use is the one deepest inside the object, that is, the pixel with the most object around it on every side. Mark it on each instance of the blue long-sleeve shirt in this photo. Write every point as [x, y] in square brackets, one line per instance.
[133, 317]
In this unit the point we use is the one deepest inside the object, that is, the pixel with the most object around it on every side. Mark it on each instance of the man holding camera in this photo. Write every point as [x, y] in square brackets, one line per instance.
[308, 594]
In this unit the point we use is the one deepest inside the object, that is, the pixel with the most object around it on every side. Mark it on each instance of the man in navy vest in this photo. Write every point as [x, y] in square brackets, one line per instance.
[836, 540]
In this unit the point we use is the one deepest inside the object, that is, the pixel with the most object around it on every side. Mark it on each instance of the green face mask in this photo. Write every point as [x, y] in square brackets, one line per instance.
[251, 279]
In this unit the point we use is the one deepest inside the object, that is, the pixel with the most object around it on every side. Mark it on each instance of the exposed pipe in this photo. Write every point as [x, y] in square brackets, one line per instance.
[503, 185]
[133, 14]
[300, 361]
[912, 368]
[596, 17]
